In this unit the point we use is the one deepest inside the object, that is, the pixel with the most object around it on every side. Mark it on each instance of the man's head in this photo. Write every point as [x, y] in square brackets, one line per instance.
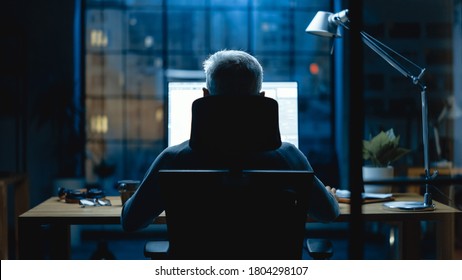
[232, 72]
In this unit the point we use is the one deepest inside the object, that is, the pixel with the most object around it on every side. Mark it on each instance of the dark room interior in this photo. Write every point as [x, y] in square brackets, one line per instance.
[84, 100]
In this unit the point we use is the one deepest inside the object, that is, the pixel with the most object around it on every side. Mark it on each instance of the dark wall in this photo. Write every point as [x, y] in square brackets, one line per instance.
[36, 72]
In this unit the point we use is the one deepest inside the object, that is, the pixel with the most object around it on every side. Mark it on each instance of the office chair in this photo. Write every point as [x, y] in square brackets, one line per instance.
[232, 212]
[222, 214]
[318, 249]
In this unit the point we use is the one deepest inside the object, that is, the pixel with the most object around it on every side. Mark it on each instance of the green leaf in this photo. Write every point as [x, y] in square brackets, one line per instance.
[383, 149]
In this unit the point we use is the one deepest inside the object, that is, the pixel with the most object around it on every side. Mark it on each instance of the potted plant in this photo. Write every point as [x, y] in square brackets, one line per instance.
[381, 151]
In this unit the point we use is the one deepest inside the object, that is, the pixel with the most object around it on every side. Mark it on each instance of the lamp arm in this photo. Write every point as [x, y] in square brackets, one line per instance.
[381, 49]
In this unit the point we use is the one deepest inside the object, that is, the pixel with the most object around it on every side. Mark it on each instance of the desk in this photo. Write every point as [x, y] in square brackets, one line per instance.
[61, 215]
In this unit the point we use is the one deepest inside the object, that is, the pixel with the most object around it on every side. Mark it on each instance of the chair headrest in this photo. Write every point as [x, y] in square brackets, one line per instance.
[235, 124]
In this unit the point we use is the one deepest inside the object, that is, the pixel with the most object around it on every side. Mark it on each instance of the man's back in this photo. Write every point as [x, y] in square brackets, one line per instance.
[234, 127]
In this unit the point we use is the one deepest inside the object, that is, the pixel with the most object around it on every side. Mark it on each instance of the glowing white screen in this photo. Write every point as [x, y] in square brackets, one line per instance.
[181, 95]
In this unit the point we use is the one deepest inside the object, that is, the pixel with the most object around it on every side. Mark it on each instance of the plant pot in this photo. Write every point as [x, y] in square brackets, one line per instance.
[377, 173]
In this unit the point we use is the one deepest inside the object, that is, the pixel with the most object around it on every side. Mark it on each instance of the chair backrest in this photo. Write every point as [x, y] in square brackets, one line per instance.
[235, 124]
[221, 214]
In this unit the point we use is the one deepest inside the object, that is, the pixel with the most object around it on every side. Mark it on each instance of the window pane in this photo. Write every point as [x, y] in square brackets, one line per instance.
[105, 30]
[186, 30]
[144, 76]
[314, 75]
[104, 75]
[145, 120]
[273, 31]
[105, 118]
[186, 3]
[145, 30]
[143, 3]
[276, 67]
[229, 30]
[186, 62]
[227, 3]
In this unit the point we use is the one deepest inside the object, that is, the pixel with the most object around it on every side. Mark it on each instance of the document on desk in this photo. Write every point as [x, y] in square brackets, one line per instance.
[344, 197]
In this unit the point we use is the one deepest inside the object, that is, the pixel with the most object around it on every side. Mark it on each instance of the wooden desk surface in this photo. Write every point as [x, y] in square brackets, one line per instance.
[376, 211]
[54, 210]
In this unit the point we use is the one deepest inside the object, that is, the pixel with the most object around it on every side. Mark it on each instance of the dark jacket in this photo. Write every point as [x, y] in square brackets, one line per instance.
[146, 204]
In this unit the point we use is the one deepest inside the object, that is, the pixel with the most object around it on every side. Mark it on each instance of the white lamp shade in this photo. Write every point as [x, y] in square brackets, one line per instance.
[323, 25]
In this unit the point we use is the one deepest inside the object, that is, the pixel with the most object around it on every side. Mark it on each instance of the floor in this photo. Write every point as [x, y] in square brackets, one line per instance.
[94, 244]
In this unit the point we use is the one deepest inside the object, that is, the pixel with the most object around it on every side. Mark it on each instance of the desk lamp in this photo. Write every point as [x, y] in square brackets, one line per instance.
[326, 24]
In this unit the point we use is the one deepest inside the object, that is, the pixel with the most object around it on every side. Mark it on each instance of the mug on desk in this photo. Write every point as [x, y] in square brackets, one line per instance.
[127, 188]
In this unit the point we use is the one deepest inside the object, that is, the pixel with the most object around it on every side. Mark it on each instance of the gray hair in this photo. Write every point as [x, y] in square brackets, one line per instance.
[233, 72]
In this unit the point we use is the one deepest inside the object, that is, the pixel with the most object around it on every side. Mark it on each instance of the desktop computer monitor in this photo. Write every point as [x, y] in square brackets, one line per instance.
[181, 95]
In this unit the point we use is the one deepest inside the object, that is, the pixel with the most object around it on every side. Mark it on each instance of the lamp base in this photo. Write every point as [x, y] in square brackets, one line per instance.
[409, 206]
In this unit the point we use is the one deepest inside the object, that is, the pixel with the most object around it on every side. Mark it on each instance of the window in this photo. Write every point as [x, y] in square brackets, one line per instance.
[134, 47]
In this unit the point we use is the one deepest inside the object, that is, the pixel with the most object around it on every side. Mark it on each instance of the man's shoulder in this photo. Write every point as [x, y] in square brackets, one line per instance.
[172, 154]
[286, 146]
[179, 146]
[293, 156]
[175, 149]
